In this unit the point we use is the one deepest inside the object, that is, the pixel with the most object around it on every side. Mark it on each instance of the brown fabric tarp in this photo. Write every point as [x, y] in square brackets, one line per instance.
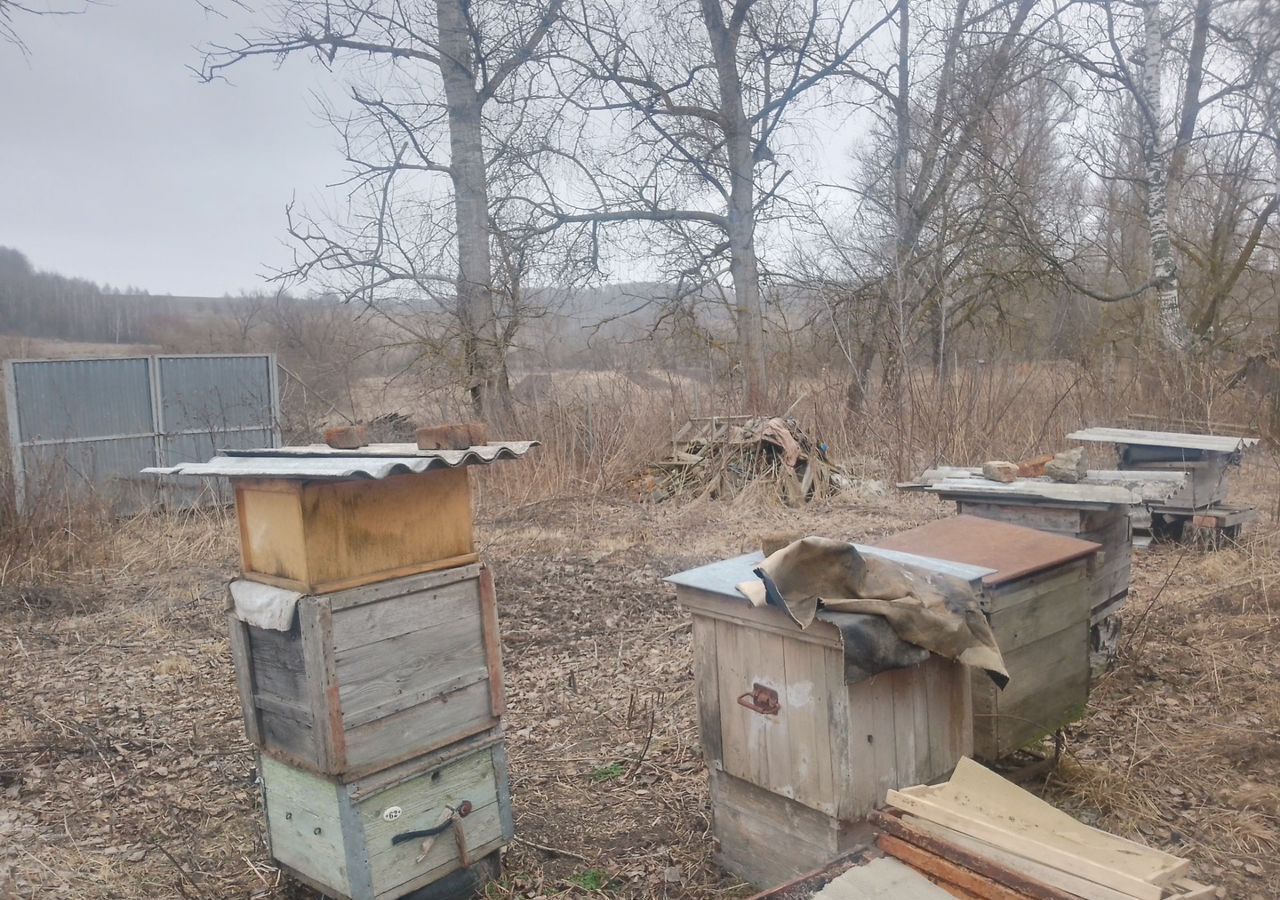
[816, 573]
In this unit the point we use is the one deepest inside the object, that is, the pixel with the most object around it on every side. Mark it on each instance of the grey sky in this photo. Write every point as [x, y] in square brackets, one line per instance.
[117, 165]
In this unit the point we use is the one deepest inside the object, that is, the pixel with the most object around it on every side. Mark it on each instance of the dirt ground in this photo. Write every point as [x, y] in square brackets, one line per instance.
[124, 771]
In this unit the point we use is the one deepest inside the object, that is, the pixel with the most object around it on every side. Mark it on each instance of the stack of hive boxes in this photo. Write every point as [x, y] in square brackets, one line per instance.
[365, 636]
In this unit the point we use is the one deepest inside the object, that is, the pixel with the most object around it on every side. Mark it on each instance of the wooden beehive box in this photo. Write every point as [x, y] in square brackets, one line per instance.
[338, 835]
[370, 676]
[1107, 525]
[319, 535]
[1038, 602]
[789, 788]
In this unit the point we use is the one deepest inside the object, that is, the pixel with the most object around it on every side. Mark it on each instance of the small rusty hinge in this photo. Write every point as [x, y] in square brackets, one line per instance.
[761, 699]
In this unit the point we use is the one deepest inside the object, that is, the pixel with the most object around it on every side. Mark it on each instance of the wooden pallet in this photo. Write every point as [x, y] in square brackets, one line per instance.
[1222, 523]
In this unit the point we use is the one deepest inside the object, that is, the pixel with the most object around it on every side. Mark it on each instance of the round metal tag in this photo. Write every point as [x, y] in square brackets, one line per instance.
[391, 813]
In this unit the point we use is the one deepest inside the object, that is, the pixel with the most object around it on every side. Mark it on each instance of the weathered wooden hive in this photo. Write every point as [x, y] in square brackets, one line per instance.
[1100, 509]
[364, 631]
[800, 744]
[1036, 594]
[1206, 460]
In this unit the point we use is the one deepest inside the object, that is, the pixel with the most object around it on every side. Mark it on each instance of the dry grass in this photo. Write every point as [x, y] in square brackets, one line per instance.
[124, 771]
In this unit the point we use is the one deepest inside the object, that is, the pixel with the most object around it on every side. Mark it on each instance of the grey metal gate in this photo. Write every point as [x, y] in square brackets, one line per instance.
[92, 424]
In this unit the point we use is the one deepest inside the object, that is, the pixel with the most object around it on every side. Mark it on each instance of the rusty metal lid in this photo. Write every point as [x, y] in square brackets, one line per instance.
[1012, 550]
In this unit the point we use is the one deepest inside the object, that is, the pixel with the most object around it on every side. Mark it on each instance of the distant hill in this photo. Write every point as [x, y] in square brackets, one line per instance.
[38, 304]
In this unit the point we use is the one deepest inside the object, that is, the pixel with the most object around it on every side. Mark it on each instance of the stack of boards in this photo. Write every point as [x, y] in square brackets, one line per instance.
[980, 836]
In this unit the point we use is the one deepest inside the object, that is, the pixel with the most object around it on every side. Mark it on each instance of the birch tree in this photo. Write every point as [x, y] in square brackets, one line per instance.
[1211, 60]
[444, 90]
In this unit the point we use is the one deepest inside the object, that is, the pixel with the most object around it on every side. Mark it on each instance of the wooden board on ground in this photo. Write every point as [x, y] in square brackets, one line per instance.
[980, 803]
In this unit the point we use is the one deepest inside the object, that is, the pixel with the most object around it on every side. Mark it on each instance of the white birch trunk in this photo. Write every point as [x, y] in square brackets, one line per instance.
[1155, 153]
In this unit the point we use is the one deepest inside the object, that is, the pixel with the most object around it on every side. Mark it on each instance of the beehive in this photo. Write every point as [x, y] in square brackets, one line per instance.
[799, 745]
[1037, 598]
[317, 535]
[346, 838]
[367, 677]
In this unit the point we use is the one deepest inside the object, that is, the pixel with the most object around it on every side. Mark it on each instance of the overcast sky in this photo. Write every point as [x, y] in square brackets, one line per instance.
[117, 165]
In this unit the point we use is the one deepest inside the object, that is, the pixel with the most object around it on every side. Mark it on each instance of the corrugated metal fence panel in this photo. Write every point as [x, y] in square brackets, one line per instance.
[215, 393]
[92, 424]
[75, 399]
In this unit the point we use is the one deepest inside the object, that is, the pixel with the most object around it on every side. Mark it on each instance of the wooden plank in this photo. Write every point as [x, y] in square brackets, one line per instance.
[410, 664]
[279, 668]
[911, 726]
[410, 584]
[1056, 520]
[986, 806]
[881, 751]
[367, 623]
[764, 837]
[882, 878]
[845, 768]
[1067, 884]
[948, 716]
[706, 680]
[492, 642]
[419, 729]
[304, 823]
[419, 664]
[1048, 687]
[242, 661]
[271, 535]
[939, 868]
[317, 647]
[1056, 605]
[288, 731]
[804, 724]
[739, 612]
[914, 832]
[357, 528]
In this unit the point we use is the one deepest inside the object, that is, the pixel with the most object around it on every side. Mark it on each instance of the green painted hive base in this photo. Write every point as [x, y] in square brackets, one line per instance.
[336, 836]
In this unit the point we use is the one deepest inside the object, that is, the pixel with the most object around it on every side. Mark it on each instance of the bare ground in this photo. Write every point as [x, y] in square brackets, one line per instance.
[124, 771]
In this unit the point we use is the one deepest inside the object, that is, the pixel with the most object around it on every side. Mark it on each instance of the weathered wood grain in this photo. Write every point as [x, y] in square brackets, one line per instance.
[319, 536]
[243, 663]
[380, 620]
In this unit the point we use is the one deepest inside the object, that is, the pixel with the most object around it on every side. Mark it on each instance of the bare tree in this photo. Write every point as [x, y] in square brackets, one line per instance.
[1214, 60]
[702, 96]
[445, 94]
[11, 10]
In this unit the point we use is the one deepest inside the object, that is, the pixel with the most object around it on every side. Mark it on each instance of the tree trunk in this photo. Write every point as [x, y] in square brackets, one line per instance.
[741, 228]
[1155, 154]
[483, 352]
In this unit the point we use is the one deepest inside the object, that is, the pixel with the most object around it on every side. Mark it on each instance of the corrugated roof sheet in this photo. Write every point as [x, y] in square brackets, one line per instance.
[1211, 442]
[324, 462]
[1099, 486]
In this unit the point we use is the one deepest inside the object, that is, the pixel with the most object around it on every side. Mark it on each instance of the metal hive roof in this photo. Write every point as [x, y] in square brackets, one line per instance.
[319, 461]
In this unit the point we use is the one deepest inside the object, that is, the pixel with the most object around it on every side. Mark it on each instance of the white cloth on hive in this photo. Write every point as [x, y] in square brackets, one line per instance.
[263, 606]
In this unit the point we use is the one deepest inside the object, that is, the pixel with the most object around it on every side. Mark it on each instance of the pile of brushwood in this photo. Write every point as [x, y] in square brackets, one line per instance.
[722, 456]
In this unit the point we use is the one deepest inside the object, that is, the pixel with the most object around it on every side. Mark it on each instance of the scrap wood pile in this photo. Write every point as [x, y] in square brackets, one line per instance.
[719, 456]
[979, 835]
